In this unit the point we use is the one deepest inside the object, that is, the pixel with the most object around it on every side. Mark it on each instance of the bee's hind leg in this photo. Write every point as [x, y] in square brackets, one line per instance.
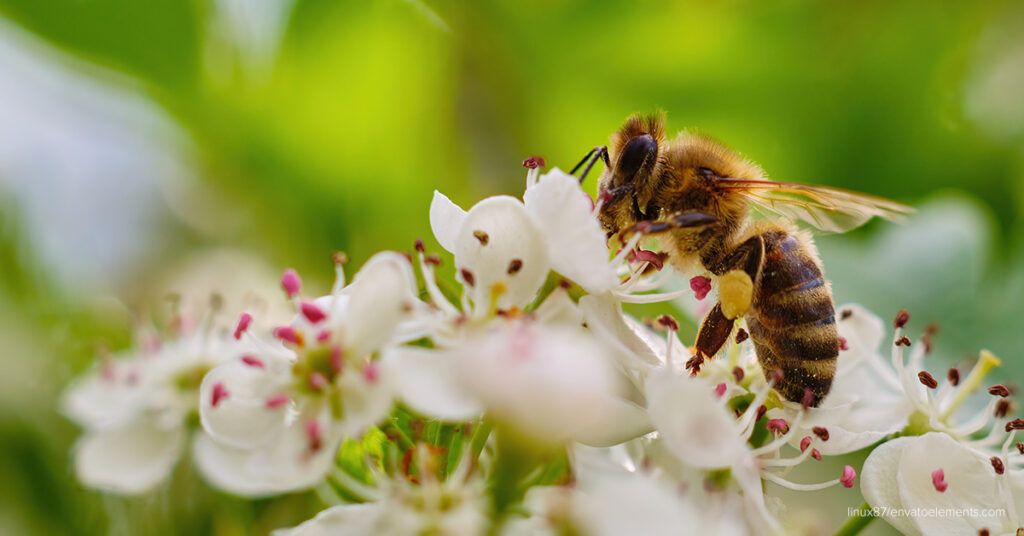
[714, 332]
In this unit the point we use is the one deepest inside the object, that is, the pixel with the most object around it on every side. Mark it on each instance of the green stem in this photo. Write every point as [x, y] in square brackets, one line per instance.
[857, 523]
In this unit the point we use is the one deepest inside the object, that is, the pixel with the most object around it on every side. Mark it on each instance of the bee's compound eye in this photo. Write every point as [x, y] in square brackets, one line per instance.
[640, 150]
[707, 173]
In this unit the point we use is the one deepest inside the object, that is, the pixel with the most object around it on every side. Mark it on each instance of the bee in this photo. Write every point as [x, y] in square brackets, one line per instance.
[715, 211]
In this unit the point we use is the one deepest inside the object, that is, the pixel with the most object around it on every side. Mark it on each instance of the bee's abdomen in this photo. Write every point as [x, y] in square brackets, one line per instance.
[792, 318]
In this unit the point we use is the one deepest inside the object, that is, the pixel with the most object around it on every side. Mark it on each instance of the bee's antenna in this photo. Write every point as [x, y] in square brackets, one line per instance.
[592, 156]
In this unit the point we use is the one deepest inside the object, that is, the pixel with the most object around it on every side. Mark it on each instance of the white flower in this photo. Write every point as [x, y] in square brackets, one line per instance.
[706, 435]
[613, 501]
[454, 506]
[934, 484]
[282, 410]
[135, 410]
[546, 383]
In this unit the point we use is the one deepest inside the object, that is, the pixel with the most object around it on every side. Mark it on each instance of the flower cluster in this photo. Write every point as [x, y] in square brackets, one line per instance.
[521, 399]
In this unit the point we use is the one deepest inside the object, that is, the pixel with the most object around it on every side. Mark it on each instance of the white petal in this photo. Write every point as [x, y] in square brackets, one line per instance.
[558, 308]
[863, 331]
[541, 381]
[288, 464]
[576, 243]
[620, 420]
[879, 485]
[225, 468]
[499, 244]
[132, 459]
[704, 434]
[344, 520]
[97, 402]
[381, 295]
[971, 479]
[427, 381]
[241, 418]
[605, 318]
[365, 402]
[446, 219]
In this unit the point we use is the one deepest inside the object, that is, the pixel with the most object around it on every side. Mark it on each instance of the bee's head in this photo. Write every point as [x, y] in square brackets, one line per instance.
[628, 184]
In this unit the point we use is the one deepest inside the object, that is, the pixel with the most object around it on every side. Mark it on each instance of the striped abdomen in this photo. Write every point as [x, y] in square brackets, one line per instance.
[792, 319]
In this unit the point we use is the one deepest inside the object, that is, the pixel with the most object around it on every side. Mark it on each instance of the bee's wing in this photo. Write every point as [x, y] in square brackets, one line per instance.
[828, 209]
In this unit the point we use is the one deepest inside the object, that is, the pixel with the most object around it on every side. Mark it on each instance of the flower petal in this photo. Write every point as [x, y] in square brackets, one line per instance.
[427, 381]
[879, 483]
[503, 251]
[131, 459]
[381, 295]
[446, 219]
[705, 434]
[343, 520]
[241, 417]
[558, 308]
[576, 243]
[605, 318]
[224, 468]
[972, 485]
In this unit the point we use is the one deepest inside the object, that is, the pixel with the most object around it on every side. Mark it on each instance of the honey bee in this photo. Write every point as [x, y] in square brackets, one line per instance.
[698, 197]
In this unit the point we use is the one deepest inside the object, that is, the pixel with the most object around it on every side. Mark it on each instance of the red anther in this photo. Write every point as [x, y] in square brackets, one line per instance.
[252, 361]
[1020, 447]
[337, 363]
[481, 237]
[927, 380]
[997, 464]
[849, 477]
[939, 480]
[514, 266]
[821, 432]
[816, 454]
[467, 276]
[845, 313]
[312, 313]
[738, 374]
[317, 381]
[643, 255]
[1015, 424]
[314, 435]
[804, 443]
[419, 245]
[720, 389]
[668, 322]
[808, 398]
[761, 410]
[291, 283]
[779, 426]
[902, 318]
[323, 335]
[700, 286]
[276, 401]
[370, 372]
[741, 335]
[433, 260]
[287, 334]
[953, 376]
[843, 346]
[243, 324]
[339, 258]
[219, 393]
[534, 162]
[999, 390]
[903, 341]
[1002, 408]
[775, 377]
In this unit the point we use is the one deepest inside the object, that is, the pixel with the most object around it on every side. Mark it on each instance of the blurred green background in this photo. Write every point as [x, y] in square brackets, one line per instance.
[147, 142]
